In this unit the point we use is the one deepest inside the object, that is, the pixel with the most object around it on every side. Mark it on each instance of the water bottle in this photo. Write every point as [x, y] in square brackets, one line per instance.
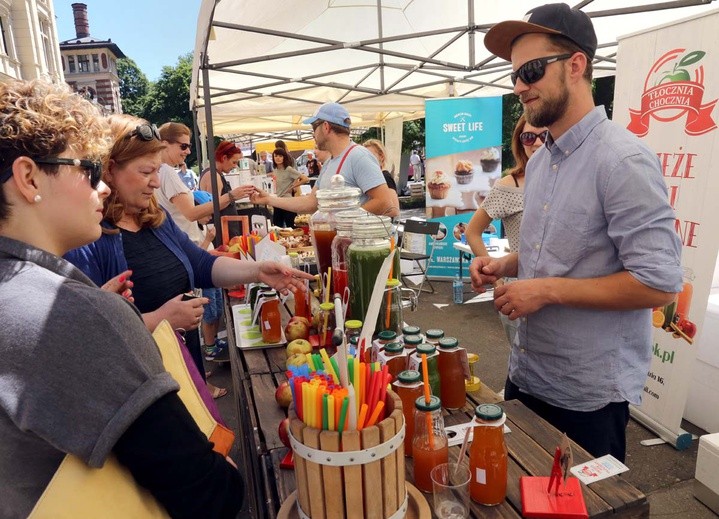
[457, 290]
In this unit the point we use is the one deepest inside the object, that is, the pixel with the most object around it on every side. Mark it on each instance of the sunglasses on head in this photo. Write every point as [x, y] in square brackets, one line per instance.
[146, 132]
[528, 138]
[533, 70]
[93, 170]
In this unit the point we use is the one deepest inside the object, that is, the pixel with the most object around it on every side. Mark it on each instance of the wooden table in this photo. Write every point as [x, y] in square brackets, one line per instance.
[256, 374]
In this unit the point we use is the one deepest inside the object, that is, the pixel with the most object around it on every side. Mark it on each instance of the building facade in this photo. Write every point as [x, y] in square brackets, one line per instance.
[90, 64]
[28, 41]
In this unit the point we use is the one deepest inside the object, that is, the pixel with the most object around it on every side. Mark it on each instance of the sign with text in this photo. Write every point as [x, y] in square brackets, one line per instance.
[667, 94]
[464, 159]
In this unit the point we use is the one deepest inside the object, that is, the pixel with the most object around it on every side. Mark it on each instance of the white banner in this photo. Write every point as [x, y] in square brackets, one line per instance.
[666, 93]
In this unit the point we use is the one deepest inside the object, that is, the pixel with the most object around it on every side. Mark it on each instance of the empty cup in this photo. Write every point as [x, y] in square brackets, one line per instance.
[450, 489]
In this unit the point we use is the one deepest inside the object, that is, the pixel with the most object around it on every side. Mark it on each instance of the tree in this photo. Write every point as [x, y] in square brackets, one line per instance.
[169, 97]
[134, 87]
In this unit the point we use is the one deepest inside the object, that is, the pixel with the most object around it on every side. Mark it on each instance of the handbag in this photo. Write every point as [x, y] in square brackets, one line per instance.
[78, 491]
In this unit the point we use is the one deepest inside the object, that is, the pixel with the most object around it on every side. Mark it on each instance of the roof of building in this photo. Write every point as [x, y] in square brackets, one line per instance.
[89, 42]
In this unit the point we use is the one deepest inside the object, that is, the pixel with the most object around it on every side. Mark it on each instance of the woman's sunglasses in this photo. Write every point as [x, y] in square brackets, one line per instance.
[93, 170]
[146, 132]
[529, 138]
[184, 146]
[532, 71]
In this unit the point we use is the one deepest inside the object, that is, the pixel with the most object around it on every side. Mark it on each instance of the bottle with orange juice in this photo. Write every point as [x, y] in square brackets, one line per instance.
[430, 445]
[488, 456]
[409, 388]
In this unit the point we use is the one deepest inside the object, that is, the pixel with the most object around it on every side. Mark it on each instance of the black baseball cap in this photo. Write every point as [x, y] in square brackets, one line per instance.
[547, 19]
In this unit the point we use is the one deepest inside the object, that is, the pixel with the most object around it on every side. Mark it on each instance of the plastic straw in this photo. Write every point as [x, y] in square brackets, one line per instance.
[325, 412]
[352, 412]
[463, 450]
[343, 412]
[375, 414]
[427, 415]
[330, 413]
[362, 416]
[389, 292]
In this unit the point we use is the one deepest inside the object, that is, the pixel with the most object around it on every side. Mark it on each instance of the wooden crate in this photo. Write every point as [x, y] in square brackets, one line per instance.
[371, 489]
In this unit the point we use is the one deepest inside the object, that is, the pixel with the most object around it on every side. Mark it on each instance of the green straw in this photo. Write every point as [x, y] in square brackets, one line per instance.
[343, 414]
[333, 361]
[325, 414]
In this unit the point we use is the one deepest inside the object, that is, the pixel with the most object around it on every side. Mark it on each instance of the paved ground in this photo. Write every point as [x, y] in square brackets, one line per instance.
[663, 473]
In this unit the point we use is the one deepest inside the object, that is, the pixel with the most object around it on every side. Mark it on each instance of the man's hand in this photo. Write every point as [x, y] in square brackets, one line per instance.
[282, 277]
[484, 271]
[243, 191]
[523, 297]
[259, 197]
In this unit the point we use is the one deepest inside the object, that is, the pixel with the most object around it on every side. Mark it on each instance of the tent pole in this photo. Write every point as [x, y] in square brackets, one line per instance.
[211, 151]
[196, 131]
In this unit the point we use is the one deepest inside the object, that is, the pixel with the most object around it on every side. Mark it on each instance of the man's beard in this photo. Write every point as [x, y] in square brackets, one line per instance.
[551, 110]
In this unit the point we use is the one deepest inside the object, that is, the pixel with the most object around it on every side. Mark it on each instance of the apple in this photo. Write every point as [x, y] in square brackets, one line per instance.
[283, 432]
[301, 346]
[297, 329]
[283, 395]
[298, 359]
[235, 240]
[688, 327]
[222, 248]
[301, 319]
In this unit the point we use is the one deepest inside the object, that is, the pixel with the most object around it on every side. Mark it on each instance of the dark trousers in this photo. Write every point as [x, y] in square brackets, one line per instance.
[600, 432]
[282, 218]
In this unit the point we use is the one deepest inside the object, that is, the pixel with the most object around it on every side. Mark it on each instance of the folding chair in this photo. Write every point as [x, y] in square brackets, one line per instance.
[424, 228]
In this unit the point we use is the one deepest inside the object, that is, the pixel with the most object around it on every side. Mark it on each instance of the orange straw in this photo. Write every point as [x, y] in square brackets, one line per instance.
[362, 416]
[375, 414]
[427, 415]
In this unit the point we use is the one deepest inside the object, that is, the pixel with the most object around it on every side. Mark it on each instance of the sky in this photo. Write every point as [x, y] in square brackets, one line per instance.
[154, 33]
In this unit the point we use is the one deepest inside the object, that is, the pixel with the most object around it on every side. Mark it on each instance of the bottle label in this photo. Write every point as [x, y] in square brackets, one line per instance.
[266, 325]
[481, 476]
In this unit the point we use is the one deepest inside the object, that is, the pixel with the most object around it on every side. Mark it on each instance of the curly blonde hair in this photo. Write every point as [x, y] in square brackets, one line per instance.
[126, 148]
[41, 120]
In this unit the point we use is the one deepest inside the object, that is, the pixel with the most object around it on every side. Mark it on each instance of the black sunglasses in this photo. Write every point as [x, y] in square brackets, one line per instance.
[532, 71]
[528, 138]
[92, 169]
[146, 132]
[317, 124]
[184, 146]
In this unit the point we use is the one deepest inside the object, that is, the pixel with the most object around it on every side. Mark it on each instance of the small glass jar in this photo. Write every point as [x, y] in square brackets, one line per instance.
[409, 329]
[488, 456]
[433, 336]
[294, 259]
[371, 244]
[435, 384]
[323, 226]
[409, 388]
[353, 328]
[390, 314]
[451, 375]
[429, 446]
[326, 324]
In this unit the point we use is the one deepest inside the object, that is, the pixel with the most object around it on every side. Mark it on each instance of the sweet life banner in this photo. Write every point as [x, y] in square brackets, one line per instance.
[463, 160]
[666, 93]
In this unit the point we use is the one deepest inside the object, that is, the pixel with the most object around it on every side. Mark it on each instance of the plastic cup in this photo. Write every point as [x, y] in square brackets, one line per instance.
[450, 489]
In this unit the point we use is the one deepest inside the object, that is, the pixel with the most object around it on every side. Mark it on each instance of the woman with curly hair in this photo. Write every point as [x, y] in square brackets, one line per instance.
[81, 374]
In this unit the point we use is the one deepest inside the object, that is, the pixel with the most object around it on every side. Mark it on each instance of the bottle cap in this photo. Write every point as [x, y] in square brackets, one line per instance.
[434, 334]
[353, 324]
[409, 376]
[394, 347]
[448, 343]
[422, 405]
[410, 330]
[354, 340]
[427, 348]
[488, 412]
[387, 335]
[413, 340]
[327, 306]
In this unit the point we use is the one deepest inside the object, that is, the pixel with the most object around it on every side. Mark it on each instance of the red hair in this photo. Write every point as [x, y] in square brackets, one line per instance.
[226, 148]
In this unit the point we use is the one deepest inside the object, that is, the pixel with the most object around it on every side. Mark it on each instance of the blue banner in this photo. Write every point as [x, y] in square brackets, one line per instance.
[462, 124]
[464, 160]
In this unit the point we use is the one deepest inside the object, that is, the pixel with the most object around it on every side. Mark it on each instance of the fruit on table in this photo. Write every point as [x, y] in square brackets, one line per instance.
[301, 346]
[298, 359]
[283, 395]
[283, 432]
[297, 328]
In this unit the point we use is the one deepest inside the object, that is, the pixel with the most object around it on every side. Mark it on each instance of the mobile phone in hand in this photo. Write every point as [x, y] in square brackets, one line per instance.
[189, 296]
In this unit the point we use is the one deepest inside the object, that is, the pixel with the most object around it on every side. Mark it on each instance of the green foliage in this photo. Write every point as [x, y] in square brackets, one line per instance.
[511, 110]
[134, 87]
[412, 135]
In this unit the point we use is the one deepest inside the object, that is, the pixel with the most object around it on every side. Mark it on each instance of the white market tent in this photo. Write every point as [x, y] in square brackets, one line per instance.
[265, 66]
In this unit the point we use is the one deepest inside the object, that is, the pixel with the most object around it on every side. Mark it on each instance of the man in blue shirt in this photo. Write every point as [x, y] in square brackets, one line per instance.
[597, 249]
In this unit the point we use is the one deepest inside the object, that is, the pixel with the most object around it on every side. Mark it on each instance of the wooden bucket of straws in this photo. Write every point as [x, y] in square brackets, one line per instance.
[352, 474]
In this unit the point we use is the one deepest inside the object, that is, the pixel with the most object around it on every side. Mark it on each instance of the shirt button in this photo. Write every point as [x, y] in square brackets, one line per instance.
[566, 152]
[546, 206]
[554, 167]
[536, 246]
[522, 350]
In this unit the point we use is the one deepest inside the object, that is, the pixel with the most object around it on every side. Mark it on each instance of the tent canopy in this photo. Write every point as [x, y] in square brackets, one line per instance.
[270, 64]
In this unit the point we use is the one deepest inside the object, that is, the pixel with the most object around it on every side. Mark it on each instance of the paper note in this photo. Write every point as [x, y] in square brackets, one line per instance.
[598, 469]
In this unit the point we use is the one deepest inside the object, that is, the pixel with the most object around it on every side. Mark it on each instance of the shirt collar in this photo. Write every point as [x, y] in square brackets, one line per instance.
[10, 248]
[574, 137]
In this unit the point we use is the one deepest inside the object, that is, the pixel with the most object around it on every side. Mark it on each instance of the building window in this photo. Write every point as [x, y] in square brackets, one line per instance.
[47, 46]
[3, 39]
[83, 63]
[71, 64]
[95, 63]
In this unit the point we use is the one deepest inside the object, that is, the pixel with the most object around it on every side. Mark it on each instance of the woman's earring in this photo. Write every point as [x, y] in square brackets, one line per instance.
[37, 199]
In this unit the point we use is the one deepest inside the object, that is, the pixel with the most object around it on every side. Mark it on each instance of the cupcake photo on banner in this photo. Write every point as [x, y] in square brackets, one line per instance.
[463, 161]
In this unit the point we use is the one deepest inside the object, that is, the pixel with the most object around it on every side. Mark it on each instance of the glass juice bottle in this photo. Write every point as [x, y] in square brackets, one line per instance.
[326, 325]
[270, 323]
[323, 224]
[409, 388]
[340, 244]
[396, 359]
[370, 246]
[430, 350]
[409, 329]
[488, 456]
[411, 342]
[429, 447]
[390, 314]
[433, 336]
[451, 374]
